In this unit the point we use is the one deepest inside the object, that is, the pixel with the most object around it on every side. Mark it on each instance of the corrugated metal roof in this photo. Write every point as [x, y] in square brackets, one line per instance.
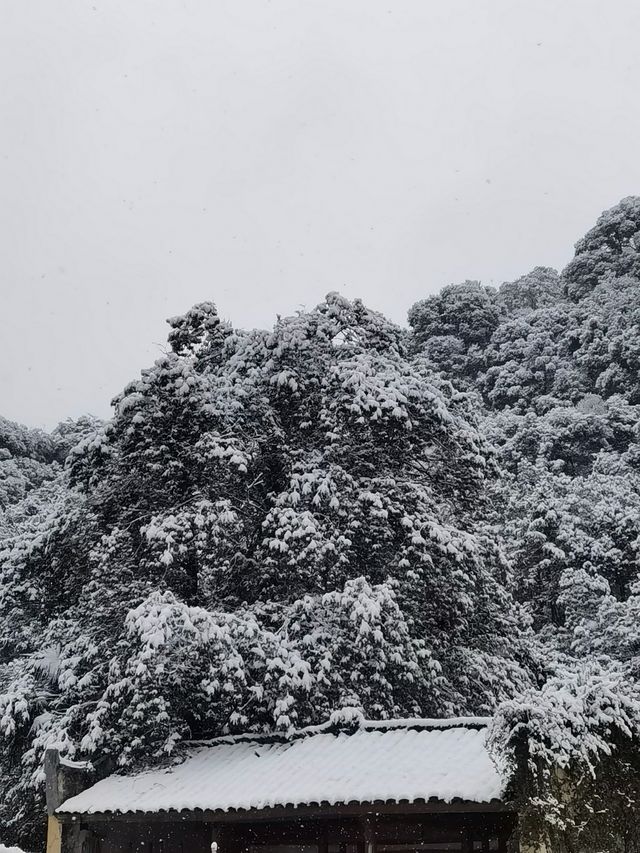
[380, 761]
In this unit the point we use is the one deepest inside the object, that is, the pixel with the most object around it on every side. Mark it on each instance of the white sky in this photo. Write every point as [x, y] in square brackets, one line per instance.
[155, 153]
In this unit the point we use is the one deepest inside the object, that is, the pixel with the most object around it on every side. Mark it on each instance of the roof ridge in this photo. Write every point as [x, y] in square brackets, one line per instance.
[332, 726]
[430, 723]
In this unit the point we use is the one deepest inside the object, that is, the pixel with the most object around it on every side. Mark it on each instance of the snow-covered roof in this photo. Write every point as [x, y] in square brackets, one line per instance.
[398, 760]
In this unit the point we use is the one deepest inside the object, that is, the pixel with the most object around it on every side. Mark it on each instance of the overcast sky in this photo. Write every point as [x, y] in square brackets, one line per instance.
[156, 153]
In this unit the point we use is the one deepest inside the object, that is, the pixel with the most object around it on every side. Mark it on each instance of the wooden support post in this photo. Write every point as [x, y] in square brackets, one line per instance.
[52, 789]
[71, 842]
[323, 839]
[369, 833]
[52, 780]
[54, 834]
[216, 838]
[64, 779]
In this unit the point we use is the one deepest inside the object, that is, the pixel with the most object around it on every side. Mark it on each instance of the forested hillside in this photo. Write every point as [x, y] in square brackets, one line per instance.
[339, 512]
[28, 458]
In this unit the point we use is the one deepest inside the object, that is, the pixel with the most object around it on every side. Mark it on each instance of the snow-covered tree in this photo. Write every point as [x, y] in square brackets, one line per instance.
[537, 289]
[611, 249]
[273, 525]
[572, 750]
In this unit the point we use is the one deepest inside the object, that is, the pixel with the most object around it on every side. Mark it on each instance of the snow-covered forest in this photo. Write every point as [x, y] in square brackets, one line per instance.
[337, 513]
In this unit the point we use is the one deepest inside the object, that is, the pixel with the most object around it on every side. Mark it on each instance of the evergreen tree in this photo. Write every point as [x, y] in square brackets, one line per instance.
[274, 525]
[611, 249]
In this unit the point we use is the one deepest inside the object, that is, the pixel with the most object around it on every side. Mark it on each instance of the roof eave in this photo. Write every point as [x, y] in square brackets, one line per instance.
[289, 812]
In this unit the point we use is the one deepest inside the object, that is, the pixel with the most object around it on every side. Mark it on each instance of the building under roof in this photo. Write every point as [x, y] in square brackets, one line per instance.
[398, 786]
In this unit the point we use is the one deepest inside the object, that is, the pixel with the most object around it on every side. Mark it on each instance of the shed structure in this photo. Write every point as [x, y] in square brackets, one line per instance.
[398, 786]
